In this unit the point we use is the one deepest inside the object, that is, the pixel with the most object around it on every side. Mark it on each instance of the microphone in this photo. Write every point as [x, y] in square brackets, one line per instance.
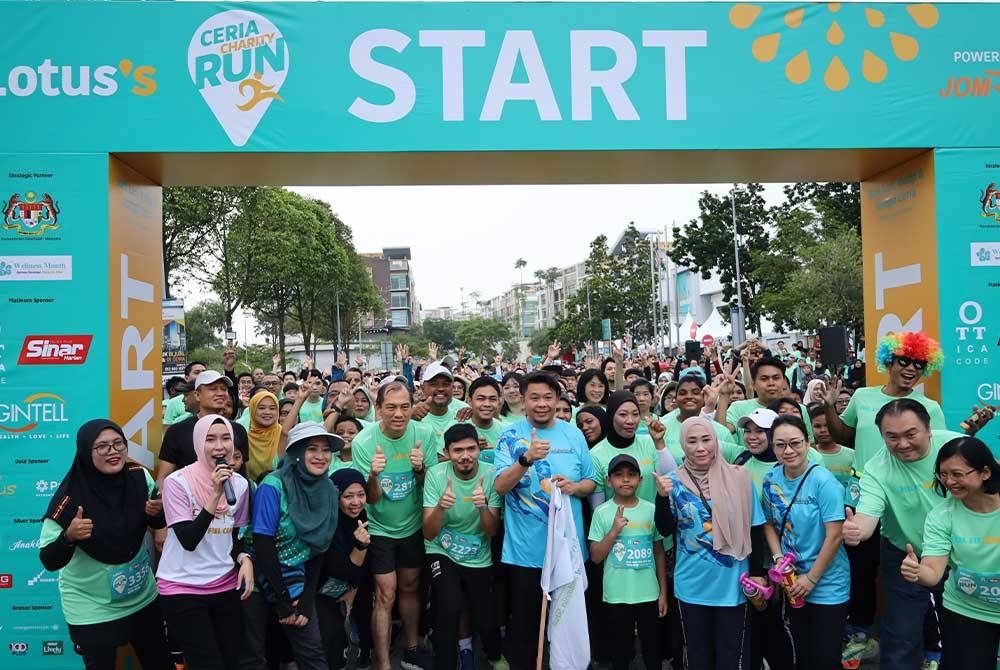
[227, 486]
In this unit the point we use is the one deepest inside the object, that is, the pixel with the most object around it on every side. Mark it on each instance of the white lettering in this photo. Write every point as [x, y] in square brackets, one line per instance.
[137, 378]
[132, 289]
[398, 82]
[139, 423]
[583, 78]
[520, 44]
[887, 279]
[452, 43]
[675, 44]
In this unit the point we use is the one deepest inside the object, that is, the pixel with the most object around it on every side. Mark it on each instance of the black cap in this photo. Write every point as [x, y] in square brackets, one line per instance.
[184, 387]
[623, 459]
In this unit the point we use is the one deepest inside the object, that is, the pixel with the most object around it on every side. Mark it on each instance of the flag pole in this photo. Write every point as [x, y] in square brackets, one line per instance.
[541, 631]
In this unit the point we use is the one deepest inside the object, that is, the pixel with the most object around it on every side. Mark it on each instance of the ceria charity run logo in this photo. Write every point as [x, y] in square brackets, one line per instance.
[238, 61]
[30, 214]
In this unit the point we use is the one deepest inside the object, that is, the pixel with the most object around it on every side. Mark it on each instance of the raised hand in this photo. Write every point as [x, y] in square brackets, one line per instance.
[359, 360]
[361, 535]
[910, 567]
[656, 428]
[378, 461]
[479, 494]
[80, 528]
[229, 359]
[341, 360]
[221, 473]
[620, 522]
[417, 457]
[851, 530]
[664, 485]
[829, 392]
[447, 500]
[307, 362]
[276, 359]
[432, 351]
[554, 350]
[420, 410]
[539, 449]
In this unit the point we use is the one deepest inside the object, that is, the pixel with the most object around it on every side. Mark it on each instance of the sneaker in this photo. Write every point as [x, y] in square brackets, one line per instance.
[856, 649]
[416, 659]
[364, 660]
[500, 664]
[466, 659]
[932, 662]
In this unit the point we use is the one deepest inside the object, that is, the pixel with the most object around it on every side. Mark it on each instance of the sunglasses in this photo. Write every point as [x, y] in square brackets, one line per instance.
[905, 362]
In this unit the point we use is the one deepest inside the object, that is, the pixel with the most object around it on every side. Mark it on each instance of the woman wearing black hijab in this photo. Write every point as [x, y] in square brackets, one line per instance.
[590, 421]
[93, 535]
[343, 565]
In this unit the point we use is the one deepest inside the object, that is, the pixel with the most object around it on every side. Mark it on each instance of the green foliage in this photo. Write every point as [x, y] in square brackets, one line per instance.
[510, 350]
[540, 341]
[204, 325]
[481, 336]
[442, 331]
[247, 358]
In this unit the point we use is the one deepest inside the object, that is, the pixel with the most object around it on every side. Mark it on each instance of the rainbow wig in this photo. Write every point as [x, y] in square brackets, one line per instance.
[917, 346]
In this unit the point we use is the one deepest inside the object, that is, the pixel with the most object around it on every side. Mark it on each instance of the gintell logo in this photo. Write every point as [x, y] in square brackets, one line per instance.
[76, 80]
[55, 350]
[34, 410]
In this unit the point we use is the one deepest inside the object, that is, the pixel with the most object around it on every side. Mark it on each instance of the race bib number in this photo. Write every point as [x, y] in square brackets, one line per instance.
[979, 586]
[633, 553]
[459, 546]
[397, 485]
[852, 491]
[334, 588]
[127, 580]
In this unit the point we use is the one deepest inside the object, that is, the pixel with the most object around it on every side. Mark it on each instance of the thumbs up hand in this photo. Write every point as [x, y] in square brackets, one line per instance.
[851, 530]
[378, 461]
[539, 449]
[479, 494]
[664, 485]
[417, 457]
[910, 567]
[80, 528]
[447, 500]
[620, 522]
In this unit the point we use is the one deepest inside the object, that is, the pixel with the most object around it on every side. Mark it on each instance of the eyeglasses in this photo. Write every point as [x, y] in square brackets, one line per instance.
[105, 448]
[945, 476]
[795, 445]
[905, 362]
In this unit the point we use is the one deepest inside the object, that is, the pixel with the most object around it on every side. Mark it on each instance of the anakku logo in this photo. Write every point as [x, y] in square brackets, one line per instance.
[35, 410]
[54, 350]
[75, 80]
[30, 215]
[238, 61]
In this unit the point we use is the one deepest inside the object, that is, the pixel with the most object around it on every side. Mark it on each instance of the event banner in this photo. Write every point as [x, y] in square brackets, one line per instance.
[451, 76]
[174, 338]
[53, 363]
[900, 259]
[968, 249]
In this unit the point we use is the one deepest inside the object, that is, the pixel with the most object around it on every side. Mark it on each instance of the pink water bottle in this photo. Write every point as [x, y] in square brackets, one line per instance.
[757, 595]
[783, 573]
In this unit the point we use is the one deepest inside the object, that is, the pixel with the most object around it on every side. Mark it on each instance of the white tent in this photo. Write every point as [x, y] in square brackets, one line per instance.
[688, 329]
[715, 327]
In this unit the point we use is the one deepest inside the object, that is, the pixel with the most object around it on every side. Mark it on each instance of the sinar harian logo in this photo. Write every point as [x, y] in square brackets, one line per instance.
[238, 61]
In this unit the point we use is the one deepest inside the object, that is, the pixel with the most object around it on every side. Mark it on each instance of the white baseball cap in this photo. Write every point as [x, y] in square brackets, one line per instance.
[761, 417]
[210, 377]
[308, 429]
[435, 369]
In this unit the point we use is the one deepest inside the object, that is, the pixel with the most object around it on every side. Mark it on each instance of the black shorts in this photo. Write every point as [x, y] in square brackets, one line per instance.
[386, 554]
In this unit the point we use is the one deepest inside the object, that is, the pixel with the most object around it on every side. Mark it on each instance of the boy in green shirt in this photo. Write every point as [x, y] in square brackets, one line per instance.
[622, 532]
[461, 514]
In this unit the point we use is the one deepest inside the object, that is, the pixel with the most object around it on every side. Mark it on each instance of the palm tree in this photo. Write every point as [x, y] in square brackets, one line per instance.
[519, 265]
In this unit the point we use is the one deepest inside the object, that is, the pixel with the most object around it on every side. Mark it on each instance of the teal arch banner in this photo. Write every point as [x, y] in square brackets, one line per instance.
[328, 77]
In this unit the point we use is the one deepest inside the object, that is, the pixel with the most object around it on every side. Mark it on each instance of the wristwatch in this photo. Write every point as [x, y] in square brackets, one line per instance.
[524, 462]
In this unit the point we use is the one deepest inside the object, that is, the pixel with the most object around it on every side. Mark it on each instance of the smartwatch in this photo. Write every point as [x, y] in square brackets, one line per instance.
[524, 462]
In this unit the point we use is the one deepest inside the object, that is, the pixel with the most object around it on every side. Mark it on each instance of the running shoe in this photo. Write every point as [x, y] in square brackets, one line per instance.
[931, 662]
[500, 664]
[364, 660]
[858, 648]
[416, 659]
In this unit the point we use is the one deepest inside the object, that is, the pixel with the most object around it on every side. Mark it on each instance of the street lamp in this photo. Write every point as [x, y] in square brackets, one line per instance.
[737, 320]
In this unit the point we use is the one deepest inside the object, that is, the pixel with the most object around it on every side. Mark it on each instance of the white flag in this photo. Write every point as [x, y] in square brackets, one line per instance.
[563, 582]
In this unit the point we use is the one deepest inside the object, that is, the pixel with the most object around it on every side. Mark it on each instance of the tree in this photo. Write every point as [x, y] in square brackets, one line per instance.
[204, 325]
[480, 336]
[633, 280]
[838, 204]
[519, 265]
[706, 244]
[442, 331]
[595, 300]
[188, 224]
[540, 341]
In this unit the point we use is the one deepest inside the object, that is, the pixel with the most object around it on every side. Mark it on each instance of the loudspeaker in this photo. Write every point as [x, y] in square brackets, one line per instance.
[833, 345]
[692, 350]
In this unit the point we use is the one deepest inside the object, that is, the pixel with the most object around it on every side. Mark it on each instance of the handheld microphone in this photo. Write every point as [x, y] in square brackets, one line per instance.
[227, 486]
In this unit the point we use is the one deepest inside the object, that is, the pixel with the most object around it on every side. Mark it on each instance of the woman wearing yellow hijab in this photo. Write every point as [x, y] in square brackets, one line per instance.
[265, 434]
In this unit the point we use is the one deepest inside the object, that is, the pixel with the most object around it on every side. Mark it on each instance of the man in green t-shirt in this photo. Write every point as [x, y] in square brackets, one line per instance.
[768, 376]
[393, 455]
[461, 514]
[898, 488]
[484, 400]
[175, 409]
[441, 409]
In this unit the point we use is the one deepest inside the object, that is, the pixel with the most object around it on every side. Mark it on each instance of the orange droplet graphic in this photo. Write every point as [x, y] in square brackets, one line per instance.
[793, 17]
[836, 76]
[742, 16]
[797, 70]
[875, 18]
[765, 47]
[873, 68]
[835, 35]
[125, 66]
[904, 46]
[925, 16]
[834, 7]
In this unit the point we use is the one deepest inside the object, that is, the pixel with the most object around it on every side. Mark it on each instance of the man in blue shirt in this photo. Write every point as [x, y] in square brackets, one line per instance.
[533, 455]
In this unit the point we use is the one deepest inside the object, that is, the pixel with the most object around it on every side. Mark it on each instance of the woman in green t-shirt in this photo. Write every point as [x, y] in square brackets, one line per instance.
[93, 535]
[963, 534]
